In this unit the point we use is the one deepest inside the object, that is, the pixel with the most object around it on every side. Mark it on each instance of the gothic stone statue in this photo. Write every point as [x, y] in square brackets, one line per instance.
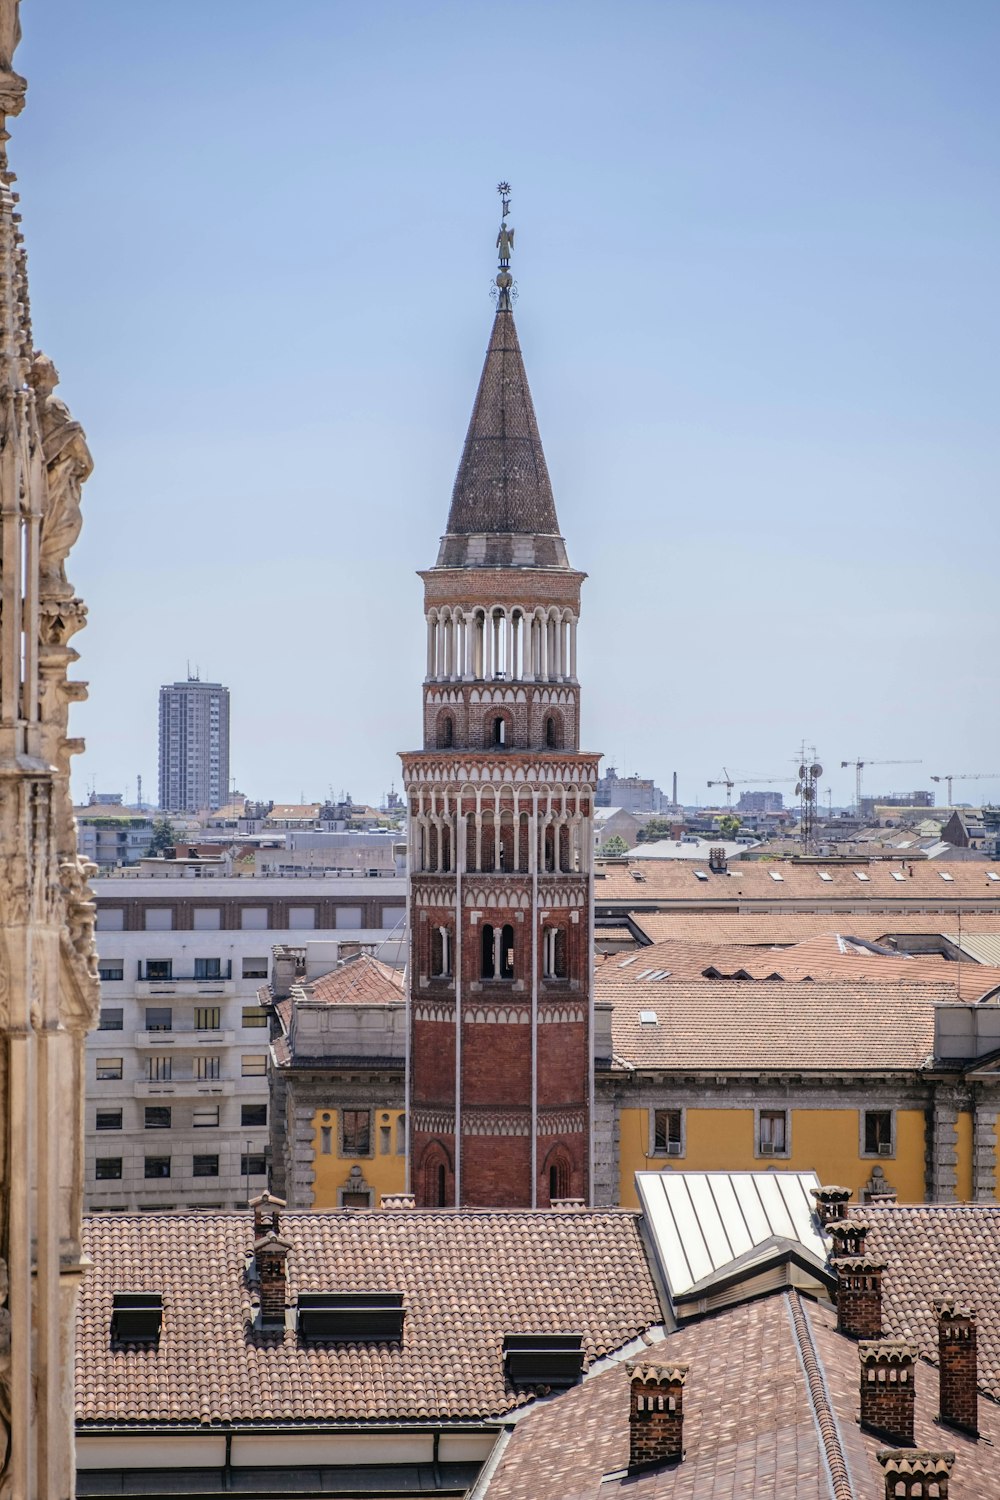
[68, 461]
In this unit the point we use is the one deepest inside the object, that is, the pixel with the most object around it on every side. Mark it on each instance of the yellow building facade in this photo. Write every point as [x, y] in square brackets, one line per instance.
[347, 1176]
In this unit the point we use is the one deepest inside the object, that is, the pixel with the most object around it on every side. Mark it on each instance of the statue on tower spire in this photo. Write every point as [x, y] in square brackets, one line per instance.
[505, 244]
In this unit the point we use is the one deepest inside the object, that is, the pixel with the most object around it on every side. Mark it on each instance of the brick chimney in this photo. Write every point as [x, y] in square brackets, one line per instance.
[859, 1296]
[831, 1203]
[887, 1389]
[270, 1254]
[266, 1214]
[848, 1237]
[656, 1414]
[912, 1472]
[959, 1396]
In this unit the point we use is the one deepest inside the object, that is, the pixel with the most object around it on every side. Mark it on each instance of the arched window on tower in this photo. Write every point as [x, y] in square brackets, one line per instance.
[560, 1175]
[434, 1176]
[441, 946]
[550, 733]
[549, 860]
[499, 730]
[488, 970]
[446, 732]
[507, 952]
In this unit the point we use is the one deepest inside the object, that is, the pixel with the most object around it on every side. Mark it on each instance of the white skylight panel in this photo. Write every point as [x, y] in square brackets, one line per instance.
[862, 875]
[946, 875]
[825, 875]
[897, 874]
[648, 1018]
[992, 875]
[700, 875]
[776, 875]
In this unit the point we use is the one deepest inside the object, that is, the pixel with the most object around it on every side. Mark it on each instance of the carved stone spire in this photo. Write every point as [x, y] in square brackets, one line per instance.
[48, 973]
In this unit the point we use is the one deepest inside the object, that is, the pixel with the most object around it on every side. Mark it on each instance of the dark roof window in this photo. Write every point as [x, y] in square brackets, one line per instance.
[352, 1317]
[136, 1317]
[553, 1359]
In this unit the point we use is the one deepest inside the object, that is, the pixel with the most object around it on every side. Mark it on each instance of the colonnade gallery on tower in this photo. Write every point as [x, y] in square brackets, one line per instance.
[500, 804]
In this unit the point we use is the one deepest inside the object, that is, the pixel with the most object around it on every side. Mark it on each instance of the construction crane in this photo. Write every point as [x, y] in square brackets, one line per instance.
[729, 782]
[859, 766]
[972, 776]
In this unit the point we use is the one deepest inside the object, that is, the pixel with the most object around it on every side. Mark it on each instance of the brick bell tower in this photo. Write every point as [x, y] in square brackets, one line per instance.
[501, 828]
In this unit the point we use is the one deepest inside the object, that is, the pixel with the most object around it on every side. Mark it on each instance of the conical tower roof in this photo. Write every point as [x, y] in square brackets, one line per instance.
[502, 511]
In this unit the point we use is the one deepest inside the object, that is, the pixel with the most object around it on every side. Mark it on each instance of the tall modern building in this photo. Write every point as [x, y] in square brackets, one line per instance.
[500, 805]
[194, 746]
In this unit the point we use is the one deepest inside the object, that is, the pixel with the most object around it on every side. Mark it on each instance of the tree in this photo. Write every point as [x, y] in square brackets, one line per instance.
[729, 825]
[656, 828]
[614, 846]
[163, 838]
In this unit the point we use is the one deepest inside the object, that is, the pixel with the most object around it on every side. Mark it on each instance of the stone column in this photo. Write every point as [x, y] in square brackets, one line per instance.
[984, 1151]
[944, 1149]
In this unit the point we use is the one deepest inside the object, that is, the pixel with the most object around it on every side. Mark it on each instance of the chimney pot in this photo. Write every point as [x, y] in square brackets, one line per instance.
[831, 1203]
[848, 1237]
[859, 1296]
[266, 1214]
[911, 1472]
[887, 1388]
[270, 1255]
[957, 1362]
[656, 1414]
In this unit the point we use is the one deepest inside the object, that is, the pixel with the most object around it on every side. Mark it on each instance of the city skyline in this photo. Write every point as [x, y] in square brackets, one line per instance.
[755, 264]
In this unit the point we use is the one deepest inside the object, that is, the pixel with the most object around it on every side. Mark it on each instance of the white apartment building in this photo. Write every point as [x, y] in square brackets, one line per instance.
[178, 1069]
[194, 746]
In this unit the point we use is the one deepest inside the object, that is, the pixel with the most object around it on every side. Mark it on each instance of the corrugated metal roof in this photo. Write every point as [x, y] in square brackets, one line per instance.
[983, 947]
[703, 1221]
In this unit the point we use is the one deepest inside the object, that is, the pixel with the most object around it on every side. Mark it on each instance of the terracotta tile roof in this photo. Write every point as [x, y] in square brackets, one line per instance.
[793, 927]
[826, 957]
[939, 1250]
[751, 880]
[361, 981]
[770, 1412]
[731, 1025]
[467, 1279]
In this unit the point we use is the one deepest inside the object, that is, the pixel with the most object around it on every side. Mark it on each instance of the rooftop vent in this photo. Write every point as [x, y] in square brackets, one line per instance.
[553, 1359]
[136, 1317]
[352, 1317]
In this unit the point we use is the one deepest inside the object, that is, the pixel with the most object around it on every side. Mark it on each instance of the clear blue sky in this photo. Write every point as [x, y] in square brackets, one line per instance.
[757, 249]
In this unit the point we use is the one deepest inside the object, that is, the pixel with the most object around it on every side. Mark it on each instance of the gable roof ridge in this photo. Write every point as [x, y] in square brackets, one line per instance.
[838, 1471]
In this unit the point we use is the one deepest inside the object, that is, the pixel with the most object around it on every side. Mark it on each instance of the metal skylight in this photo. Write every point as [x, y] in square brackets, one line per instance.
[862, 875]
[946, 875]
[648, 1018]
[776, 875]
[700, 875]
[825, 875]
[897, 874]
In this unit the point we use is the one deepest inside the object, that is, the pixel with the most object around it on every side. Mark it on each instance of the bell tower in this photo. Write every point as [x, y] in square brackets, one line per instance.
[500, 803]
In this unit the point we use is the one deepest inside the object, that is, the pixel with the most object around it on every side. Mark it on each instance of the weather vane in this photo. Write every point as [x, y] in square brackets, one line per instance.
[505, 286]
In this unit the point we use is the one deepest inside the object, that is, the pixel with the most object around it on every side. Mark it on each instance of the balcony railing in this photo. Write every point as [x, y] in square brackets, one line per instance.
[184, 1037]
[158, 1088]
[152, 972]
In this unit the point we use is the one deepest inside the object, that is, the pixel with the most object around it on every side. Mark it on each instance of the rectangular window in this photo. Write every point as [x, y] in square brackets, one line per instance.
[253, 1114]
[107, 1167]
[157, 1117]
[109, 1119]
[355, 1132]
[208, 968]
[207, 918]
[393, 916]
[254, 1016]
[110, 919]
[254, 918]
[159, 1069]
[159, 919]
[112, 1018]
[253, 1164]
[667, 1132]
[254, 1065]
[255, 968]
[301, 918]
[207, 1017]
[157, 1166]
[384, 1140]
[108, 1068]
[111, 969]
[348, 916]
[772, 1130]
[878, 1132]
[401, 1136]
[205, 1166]
[159, 1018]
[207, 1067]
[159, 968]
[205, 1117]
